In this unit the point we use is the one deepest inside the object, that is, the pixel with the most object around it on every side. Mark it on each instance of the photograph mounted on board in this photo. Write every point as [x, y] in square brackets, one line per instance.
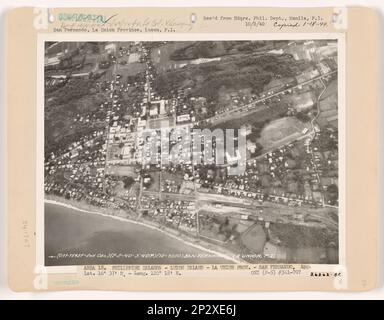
[191, 152]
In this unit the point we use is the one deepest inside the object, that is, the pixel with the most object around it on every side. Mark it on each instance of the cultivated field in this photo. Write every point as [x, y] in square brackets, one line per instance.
[329, 106]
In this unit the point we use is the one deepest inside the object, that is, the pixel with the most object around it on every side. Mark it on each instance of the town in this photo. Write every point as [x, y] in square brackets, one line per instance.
[120, 118]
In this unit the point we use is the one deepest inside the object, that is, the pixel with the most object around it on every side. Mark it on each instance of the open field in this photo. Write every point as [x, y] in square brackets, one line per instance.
[172, 176]
[260, 114]
[331, 89]
[160, 123]
[161, 56]
[53, 48]
[113, 152]
[131, 69]
[254, 239]
[306, 255]
[295, 236]
[329, 106]
[281, 131]
[155, 182]
[121, 170]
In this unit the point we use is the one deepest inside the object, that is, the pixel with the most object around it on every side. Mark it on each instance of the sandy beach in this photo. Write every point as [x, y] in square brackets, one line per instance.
[76, 236]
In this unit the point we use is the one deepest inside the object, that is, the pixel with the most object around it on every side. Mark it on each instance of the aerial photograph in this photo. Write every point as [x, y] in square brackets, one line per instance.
[191, 152]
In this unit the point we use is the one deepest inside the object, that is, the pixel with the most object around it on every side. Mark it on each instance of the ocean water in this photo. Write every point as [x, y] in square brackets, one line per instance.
[73, 237]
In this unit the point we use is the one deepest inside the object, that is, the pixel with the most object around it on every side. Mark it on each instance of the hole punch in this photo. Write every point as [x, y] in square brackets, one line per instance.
[335, 17]
[193, 17]
[339, 18]
[51, 17]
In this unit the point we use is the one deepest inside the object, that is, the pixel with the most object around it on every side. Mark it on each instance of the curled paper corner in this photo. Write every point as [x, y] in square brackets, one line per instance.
[340, 18]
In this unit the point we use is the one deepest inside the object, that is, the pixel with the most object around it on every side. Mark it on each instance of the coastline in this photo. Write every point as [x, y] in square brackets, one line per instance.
[183, 238]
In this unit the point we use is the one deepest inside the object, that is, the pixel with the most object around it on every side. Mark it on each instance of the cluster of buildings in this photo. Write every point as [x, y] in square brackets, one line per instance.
[178, 214]
[293, 175]
[82, 163]
[297, 174]
[170, 186]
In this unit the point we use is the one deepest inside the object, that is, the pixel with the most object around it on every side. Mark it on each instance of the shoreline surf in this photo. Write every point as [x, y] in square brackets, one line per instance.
[148, 226]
